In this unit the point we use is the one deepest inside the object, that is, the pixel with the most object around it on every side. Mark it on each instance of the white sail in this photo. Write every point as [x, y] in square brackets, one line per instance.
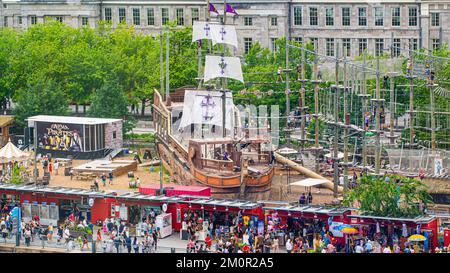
[205, 107]
[224, 34]
[202, 30]
[226, 67]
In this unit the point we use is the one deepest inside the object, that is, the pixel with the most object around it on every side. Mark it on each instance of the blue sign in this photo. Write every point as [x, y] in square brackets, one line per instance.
[16, 213]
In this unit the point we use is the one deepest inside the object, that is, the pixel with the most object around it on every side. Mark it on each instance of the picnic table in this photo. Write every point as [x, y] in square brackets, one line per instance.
[85, 176]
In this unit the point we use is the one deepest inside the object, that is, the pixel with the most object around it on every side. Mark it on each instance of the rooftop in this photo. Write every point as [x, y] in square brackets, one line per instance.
[72, 120]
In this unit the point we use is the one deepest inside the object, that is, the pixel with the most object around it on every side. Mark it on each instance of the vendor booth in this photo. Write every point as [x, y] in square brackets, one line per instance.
[305, 221]
[391, 230]
[223, 214]
[78, 137]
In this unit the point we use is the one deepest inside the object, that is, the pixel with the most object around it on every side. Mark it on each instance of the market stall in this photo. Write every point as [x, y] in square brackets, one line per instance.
[391, 230]
[305, 221]
[218, 217]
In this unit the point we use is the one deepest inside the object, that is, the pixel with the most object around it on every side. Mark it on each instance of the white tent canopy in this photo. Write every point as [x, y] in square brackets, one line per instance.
[309, 182]
[287, 151]
[11, 153]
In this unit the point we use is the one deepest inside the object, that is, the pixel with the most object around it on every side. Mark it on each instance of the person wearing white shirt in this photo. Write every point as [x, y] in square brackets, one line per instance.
[289, 246]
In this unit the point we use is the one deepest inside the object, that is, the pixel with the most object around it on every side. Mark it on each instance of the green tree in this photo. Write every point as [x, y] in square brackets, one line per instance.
[397, 198]
[45, 97]
[109, 101]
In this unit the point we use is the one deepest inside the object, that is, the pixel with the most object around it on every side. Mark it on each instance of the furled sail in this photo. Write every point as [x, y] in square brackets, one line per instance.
[224, 34]
[225, 67]
[205, 107]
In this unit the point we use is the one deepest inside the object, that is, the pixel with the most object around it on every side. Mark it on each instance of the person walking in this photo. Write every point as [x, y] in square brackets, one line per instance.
[104, 180]
[110, 178]
[117, 243]
[128, 243]
[50, 233]
[289, 246]
[135, 245]
[56, 167]
[27, 235]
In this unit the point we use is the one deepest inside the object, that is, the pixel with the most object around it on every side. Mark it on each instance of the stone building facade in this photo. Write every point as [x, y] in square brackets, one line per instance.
[388, 26]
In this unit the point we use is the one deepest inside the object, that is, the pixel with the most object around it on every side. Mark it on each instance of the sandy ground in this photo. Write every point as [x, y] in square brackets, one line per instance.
[320, 195]
[279, 183]
[119, 183]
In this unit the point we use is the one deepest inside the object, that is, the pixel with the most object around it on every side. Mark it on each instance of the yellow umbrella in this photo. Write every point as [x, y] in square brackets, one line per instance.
[349, 230]
[416, 238]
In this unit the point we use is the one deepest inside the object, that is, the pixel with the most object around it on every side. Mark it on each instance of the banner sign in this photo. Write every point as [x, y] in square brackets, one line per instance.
[60, 136]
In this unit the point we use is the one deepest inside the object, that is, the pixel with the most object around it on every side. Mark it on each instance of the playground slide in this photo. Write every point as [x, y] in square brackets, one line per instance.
[283, 160]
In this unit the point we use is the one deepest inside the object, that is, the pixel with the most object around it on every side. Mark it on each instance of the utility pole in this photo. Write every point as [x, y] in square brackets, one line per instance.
[431, 85]
[316, 113]
[302, 98]
[411, 106]
[161, 64]
[364, 96]
[391, 109]
[346, 125]
[167, 67]
[288, 102]
[336, 125]
[378, 102]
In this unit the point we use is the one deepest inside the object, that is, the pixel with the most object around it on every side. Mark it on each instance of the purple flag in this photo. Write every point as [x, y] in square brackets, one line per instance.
[212, 8]
[230, 9]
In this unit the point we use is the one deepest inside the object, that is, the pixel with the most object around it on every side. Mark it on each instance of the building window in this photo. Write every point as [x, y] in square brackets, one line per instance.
[379, 46]
[298, 40]
[195, 15]
[313, 21]
[395, 16]
[164, 16]
[108, 14]
[273, 44]
[122, 15]
[150, 17]
[180, 17]
[247, 44]
[346, 16]
[33, 20]
[315, 43]
[396, 47]
[362, 16]
[20, 20]
[248, 21]
[137, 17]
[329, 16]
[330, 46]
[298, 16]
[346, 47]
[84, 21]
[436, 43]
[114, 134]
[435, 22]
[273, 21]
[362, 45]
[59, 19]
[413, 44]
[412, 16]
[379, 16]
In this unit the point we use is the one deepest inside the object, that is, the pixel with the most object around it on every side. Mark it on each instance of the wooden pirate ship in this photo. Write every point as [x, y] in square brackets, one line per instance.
[202, 136]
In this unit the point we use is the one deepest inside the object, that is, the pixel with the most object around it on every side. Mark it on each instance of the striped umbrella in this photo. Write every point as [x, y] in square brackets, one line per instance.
[349, 230]
[416, 238]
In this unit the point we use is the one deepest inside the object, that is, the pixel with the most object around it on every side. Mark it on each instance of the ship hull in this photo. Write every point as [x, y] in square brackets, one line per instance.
[227, 187]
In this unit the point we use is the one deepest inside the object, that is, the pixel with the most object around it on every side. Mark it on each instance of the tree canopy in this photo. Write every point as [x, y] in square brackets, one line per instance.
[398, 197]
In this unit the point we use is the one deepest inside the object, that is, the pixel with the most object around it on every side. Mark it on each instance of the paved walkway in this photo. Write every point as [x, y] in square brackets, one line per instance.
[164, 245]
